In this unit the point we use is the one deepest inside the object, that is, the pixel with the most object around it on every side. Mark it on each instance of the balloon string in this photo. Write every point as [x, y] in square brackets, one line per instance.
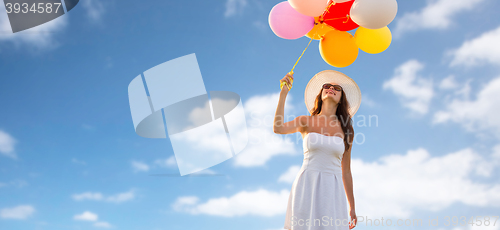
[347, 19]
[316, 32]
[329, 5]
[337, 19]
[327, 10]
[291, 72]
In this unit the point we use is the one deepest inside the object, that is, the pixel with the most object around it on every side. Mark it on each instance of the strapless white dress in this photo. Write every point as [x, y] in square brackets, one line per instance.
[317, 200]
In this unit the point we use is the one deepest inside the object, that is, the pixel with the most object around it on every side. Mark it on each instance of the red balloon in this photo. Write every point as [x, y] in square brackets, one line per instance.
[337, 16]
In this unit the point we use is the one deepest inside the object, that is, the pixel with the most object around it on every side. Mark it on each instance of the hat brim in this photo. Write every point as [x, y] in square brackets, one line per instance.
[351, 89]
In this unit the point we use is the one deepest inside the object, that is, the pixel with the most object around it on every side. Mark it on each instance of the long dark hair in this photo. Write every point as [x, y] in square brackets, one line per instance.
[342, 114]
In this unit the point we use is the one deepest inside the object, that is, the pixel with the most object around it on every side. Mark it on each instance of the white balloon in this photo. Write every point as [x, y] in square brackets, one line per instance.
[373, 14]
[311, 8]
[341, 1]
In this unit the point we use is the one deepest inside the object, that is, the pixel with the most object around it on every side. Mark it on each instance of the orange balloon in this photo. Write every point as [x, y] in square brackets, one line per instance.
[319, 29]
[338, 48]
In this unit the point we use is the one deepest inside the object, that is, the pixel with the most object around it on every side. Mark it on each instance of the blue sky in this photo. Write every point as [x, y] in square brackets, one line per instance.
[70, 158]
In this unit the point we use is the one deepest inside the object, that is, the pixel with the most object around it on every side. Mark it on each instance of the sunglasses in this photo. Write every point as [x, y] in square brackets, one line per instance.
[335, 87]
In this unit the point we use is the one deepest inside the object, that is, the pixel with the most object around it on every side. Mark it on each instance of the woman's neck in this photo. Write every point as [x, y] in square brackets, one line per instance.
[328, 109]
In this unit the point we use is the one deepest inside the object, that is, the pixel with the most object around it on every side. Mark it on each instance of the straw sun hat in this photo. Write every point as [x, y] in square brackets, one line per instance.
[349, 86]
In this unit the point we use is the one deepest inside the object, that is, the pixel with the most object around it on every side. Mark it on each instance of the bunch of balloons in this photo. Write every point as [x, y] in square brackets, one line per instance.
[329, 22]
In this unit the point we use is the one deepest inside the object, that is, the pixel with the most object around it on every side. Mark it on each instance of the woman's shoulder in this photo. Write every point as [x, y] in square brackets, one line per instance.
[304, 119]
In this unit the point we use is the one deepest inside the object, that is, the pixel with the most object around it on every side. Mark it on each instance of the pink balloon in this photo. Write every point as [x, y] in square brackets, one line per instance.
[287, 23]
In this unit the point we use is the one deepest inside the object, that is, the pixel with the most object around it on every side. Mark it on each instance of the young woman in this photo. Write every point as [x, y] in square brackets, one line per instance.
[318, 196]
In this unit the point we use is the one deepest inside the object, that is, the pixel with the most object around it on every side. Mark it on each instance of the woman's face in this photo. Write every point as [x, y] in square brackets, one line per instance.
[331, 92]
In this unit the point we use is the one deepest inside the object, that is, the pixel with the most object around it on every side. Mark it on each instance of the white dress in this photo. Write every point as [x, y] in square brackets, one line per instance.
[317, 200]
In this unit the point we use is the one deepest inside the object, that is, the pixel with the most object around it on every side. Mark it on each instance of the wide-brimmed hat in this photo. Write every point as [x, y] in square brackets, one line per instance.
[349, 86]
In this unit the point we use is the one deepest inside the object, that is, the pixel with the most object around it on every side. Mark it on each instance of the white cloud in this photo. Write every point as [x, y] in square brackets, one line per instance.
[117, 198]
[16, 183]
[476, 115]
[86, 216]
[197, 116]
[205, 139]
[457, 90]
[367, 100]
[139, 166]
[260, 25]
[397, 185]
[421, 182]
[167, 163]
[88, 196]
[76, 161]
[20, 212]
[259, 203]
[263, 143]
[496, 152]
[7, 143]
[478, 51]
[184, 201]
[437, 14]
[414, 91]
[102, 224]
[19, 183]
[448, 83]
[95, 9]
[290, 174]
[234, 7]
[121, 197]
[92, 217]
[170, 162]
[465, 89]
[39, 37]
[88, 127]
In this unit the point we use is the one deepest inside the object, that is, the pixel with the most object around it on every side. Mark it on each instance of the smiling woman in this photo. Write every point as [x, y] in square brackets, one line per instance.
[319, 191]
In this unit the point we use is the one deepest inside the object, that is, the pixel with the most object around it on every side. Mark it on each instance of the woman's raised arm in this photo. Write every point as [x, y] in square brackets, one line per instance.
[293, 126]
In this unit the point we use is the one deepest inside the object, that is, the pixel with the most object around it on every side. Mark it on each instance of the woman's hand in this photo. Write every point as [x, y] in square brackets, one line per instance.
[288, 79]
[354, 219]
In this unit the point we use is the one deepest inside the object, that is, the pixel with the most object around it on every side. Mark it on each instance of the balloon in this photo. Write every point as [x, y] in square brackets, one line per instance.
[336, 16]
[287, 23]
[311, 8]
[341, 1]
[373, 41]
[374, 14]
[338, 48]
[320, 29]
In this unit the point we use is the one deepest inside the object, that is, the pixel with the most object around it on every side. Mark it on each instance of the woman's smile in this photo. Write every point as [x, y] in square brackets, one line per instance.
[330, 92]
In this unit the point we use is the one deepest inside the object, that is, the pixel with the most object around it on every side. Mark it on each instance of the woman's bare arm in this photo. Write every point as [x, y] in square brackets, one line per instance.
[280, 127]
[348, 187]
[347, 178]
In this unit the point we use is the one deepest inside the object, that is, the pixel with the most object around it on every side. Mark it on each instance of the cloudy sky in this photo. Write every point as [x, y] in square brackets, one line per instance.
[427, 132]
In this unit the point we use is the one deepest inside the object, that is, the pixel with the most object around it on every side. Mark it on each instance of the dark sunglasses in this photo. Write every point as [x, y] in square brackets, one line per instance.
[335, 87]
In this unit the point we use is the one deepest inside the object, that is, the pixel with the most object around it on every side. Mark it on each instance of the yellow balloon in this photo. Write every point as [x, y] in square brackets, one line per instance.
[319, 29]
[373, 41]
[338, 48]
